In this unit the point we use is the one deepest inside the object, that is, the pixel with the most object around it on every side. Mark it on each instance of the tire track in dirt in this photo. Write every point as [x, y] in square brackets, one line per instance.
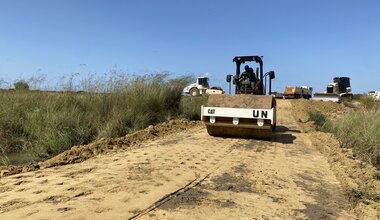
[284, 178]
[116, 185]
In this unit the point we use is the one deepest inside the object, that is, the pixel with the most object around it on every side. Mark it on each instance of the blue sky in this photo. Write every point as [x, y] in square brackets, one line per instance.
[305, 42]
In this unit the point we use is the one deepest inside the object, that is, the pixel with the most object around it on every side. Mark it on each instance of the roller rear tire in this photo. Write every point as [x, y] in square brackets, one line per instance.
[194, 92]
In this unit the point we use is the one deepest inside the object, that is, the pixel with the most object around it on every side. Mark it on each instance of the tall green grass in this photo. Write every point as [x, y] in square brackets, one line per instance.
[190, 106]
[368, 103]
[358, 130]
[361, 132]
[43, 124]
[320, 120]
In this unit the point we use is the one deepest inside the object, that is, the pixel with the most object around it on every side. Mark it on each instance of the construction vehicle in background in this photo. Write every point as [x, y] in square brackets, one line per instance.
[201, 87]
[336, 91]
[375, 95]
[249, 113]
[278, 95]
[296, 92]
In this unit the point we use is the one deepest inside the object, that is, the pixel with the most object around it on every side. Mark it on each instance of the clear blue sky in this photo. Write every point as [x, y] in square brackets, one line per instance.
[306, 42]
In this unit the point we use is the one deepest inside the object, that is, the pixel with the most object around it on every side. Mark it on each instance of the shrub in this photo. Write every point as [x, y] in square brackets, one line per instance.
[21, 85]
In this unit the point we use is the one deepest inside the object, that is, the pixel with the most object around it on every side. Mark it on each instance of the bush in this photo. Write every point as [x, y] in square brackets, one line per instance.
[21, 85]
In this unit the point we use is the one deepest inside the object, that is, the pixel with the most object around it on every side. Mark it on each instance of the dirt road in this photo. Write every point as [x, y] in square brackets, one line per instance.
[187, 176]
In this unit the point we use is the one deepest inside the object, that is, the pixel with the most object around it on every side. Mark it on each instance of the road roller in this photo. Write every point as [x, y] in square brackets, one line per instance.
[250, 112]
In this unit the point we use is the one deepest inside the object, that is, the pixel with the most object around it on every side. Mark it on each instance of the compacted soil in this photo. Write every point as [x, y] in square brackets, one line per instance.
[185, 175]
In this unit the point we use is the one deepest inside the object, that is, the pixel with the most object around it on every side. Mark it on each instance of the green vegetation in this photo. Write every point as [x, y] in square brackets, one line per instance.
[190, 107]
[361, 132]
[42, 124]
[358, 129]
[21, 85]
[368, 102]
[319, 119]
[362, 194]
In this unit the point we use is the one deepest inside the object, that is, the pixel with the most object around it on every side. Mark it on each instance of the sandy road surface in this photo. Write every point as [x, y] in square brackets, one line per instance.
[186, 176]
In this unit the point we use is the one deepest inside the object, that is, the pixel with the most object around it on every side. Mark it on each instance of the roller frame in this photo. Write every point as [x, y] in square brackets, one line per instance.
[236, 113]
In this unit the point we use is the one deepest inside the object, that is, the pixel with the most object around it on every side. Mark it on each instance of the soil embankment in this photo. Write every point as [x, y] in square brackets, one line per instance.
[185, 175]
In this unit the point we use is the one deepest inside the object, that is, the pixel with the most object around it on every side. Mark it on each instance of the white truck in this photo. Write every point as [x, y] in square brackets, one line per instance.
[201, 87]
[375, 95]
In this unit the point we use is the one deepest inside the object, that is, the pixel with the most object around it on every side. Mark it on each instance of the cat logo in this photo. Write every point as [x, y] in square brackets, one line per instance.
[211, 111]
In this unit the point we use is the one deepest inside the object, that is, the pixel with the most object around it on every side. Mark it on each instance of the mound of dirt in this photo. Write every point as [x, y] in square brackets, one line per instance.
[81, 153]
[302, 108]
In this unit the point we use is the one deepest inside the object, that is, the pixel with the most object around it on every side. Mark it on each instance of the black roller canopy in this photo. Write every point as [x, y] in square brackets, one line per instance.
[243, 59]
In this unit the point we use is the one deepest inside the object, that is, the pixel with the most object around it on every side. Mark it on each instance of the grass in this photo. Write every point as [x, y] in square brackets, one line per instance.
[368, 102]
[319, 120]
[4, 160]
[190, 107]
[358, 130]
[362, 194]
[42, 124]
